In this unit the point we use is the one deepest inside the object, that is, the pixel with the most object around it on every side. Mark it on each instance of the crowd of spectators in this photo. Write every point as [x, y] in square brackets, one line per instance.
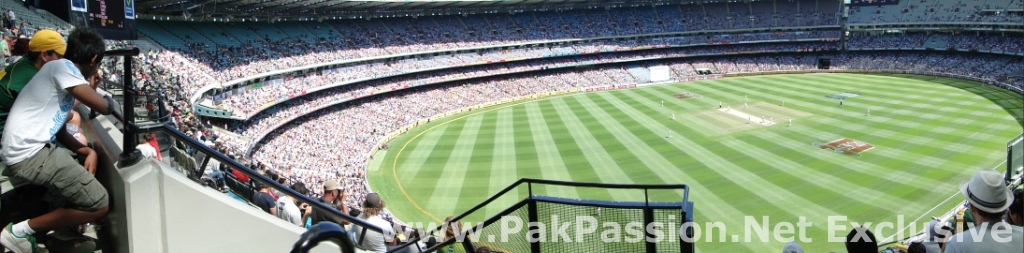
[248, 101]
[356, 128]
[983, 66]
[288, 129]
[995, 42]
[916, 11]
[167, 79]
[238, 51]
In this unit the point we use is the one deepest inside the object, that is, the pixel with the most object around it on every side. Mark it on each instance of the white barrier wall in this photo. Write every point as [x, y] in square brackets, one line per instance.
[166, 212]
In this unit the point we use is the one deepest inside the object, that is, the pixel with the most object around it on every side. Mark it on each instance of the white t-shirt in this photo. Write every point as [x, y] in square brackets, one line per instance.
[288, 211]
[147, 150]
[212, 166]
[373, 241]
[40, 111]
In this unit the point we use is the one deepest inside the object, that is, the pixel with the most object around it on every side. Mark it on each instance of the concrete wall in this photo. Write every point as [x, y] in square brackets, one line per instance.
[156, 209]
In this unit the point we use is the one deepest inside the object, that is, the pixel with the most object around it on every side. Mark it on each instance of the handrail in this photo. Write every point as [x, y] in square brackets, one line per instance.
[602, 185]
[213, 154]
[130, 155]
[529, 182]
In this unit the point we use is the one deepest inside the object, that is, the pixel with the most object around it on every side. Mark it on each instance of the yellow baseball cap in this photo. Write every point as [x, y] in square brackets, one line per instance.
[45, 40]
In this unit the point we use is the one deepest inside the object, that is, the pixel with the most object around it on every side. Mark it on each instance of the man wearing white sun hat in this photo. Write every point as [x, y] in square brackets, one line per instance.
[987, 200]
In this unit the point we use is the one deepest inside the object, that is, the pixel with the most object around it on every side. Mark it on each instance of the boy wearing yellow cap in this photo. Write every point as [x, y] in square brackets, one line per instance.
[45, 46]
[36, 121]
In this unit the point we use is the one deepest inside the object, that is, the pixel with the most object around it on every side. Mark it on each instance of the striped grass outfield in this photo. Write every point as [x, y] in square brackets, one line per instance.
[928, 134]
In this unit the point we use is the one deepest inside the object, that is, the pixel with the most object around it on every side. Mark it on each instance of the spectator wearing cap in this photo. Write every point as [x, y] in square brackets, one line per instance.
[987, 200]
[332, 196]
[861, 240]
[374, 241]
[45, 46]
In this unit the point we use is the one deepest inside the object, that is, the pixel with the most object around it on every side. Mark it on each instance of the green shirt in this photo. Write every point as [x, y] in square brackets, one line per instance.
[13, 79]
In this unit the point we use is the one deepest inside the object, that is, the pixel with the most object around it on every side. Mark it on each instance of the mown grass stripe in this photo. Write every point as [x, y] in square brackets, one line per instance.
[579, 167]
[454, 172]
[504, 169]
[412, 163]
[852, 126]
[728, 180]
[601, 162]
[933, 132]
[432, 168]
[549, 159]
[949, 140]
[841, 128]
[742, 177]
[654, 152]
[763, 169]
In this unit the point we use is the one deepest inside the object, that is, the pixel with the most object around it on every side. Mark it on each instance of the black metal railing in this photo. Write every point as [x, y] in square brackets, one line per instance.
[130, 156]
[533, 202]
[530, 205]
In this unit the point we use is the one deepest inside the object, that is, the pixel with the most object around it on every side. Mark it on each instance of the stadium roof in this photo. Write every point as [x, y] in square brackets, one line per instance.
[366, 8]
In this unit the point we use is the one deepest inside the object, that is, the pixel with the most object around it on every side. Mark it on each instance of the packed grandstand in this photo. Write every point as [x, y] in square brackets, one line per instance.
[263, 92]
[475, 48]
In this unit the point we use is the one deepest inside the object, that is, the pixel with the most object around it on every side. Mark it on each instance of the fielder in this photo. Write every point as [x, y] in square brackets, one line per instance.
[790, 122]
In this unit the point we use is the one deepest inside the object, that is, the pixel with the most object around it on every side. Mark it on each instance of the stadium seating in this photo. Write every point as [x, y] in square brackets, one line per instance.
[31, 20]
[281, 117]
[990, 11]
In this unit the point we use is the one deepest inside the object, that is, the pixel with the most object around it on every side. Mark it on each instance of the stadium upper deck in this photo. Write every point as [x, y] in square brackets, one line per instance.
[224, 46]
[942, 11]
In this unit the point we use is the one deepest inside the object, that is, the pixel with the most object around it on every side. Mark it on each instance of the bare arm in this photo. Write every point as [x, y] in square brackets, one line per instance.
[90, 98]
[344, 207]
[71, 143]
